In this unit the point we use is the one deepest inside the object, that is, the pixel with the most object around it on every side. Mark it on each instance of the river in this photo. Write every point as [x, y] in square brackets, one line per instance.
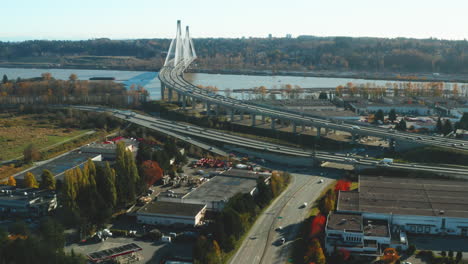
[150, 81]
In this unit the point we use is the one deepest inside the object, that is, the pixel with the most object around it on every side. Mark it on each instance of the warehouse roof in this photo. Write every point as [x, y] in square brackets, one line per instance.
[404, 196]
[354, 222]
[170, 208]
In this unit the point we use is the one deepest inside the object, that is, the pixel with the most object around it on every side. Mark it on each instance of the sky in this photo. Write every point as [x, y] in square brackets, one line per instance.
[130, 19]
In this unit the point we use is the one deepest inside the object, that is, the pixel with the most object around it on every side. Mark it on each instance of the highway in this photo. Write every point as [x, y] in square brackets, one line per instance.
[172, 77]
[261, 244]
[187, 132]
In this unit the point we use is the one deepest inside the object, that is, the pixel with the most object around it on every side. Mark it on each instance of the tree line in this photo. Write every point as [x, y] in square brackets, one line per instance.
[20, 246]
[48, 90]
[301, 53]
[236, 218]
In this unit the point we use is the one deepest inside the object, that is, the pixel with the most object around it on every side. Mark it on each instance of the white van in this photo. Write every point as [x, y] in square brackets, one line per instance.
[355, 127]
[166, 239]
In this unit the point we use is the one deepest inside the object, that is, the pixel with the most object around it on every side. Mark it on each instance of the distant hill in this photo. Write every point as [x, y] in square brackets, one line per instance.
[304, 53]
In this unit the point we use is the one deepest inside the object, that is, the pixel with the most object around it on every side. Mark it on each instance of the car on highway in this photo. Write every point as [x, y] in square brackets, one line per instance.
[282, 240]
[304, 205]
[320, 181]
[355, 127]
[419, 138]
[279, 228]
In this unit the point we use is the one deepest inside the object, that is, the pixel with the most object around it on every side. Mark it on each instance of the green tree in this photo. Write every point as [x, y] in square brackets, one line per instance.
[323, 96]
[52, 233]
[30, 181]
[401, 126]
[463, 124]
[379, 116]
[459, 256]
[439, 125]
[447, 128]
[450, 254]
[106, 185]
[31, 153]
[47, 180]
[264, 194]
[392, 116]
[5, 79]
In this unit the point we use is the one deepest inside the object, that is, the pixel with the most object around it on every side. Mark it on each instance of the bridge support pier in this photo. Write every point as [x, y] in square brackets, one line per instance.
[263, 119]
[184, 102]
[353, 137]
[294, 128]
[241, 116]
[208, 110]
[253, 119]
[194, 103]
[319, 132]
[163, 91]
[273, 123]
[232, 115]
[217, 110]
[169, 95]
[303, 128]
[179, 97]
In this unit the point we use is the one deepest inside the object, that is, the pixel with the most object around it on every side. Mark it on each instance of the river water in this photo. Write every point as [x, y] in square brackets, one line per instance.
[150, 81]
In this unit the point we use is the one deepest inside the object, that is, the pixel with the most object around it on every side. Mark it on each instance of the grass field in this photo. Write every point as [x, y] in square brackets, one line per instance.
[17, 132]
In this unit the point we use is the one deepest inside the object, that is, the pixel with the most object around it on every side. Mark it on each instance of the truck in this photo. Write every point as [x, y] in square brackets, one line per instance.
[386, 161]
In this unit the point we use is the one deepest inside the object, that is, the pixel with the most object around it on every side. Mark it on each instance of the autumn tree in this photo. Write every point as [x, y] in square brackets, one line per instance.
[151, 172]
[342, 185]
[11, 181]
[73, 77]
[30, 181]
[217, 252]
[317, 226]
[390, 255]
[47, 180]
[47, 76]
[314, 253]
[31, 153]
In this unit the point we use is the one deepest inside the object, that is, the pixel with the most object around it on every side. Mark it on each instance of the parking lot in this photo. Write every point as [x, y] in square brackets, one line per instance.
[153, 252]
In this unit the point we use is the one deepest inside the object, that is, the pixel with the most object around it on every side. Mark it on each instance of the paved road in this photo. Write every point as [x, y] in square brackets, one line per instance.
[187, 132]
[261, 244]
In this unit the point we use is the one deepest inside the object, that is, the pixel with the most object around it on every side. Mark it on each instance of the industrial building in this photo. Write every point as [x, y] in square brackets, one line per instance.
[26, 202]
[169, 213]
[400, 205]
[217, 191]
[108, 149]
[58, 166]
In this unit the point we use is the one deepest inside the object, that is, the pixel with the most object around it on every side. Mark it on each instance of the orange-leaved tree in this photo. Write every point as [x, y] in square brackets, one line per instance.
[152, 172]
[318, 225]
[390, 256]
